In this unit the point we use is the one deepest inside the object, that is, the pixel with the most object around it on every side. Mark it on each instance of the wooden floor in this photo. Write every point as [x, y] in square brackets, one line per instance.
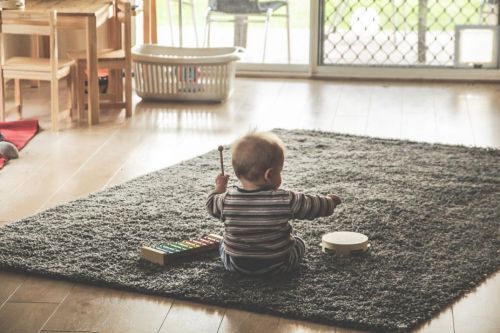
[57, 167]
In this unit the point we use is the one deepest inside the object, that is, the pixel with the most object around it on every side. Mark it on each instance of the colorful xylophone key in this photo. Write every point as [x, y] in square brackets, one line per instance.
[162, 253]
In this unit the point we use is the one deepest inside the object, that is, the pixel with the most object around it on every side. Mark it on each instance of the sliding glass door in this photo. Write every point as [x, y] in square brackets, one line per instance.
[348, 38]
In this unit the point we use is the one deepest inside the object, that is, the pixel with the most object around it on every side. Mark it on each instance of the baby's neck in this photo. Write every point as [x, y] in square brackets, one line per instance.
[251, 186]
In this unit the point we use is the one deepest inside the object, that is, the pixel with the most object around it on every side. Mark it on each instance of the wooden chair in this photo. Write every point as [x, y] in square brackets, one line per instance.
[27, 68]
[118, 60]
[241, 10]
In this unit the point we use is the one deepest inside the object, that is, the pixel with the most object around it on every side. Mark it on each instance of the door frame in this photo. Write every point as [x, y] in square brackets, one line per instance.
[315, 70]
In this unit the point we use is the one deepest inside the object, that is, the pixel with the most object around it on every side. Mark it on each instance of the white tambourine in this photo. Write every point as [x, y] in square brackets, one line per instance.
[344, 243]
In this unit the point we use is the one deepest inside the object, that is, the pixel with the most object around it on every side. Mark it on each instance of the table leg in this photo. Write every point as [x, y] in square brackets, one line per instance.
[2, 97]
[154, 31]
[240, 30]
[146, 26]
[35, 52]
[150, 32]
[92, 67]
[2, 83]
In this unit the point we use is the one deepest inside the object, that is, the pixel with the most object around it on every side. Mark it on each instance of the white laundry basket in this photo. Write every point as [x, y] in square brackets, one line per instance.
[184, 74]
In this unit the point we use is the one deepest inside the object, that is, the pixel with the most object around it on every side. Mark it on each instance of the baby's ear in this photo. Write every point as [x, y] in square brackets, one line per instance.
[268, 173]
[8, 150]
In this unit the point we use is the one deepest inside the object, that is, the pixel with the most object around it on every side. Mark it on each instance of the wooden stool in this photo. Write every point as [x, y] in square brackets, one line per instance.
[117, 60]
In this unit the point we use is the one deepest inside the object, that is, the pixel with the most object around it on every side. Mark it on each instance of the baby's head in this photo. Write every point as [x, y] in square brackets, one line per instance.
[258, 159]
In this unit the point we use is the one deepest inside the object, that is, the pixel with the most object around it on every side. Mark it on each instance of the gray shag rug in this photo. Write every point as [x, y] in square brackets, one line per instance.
[431, 211]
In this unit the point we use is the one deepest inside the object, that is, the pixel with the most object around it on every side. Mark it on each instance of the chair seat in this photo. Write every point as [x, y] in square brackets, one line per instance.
[27, 68]
[34, 64]
[237, 8]
[104, 54]
[274, 5]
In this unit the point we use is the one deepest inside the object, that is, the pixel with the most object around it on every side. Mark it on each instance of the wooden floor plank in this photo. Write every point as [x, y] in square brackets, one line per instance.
[298, 326]
[9, 283]
[100, 166]
[485, 118]
[237, 321]
[479, 311]
[350, 124]
[355, 100]
[44, 290]
[95, 309]
[46, 331]
[419, 127]
[453, 124]
[181, 146]
[24, 317]
[188, 317]
[64, 162]
[442, 323]
[418, 98]
[321, 109]
[29, 161]
[384, 116]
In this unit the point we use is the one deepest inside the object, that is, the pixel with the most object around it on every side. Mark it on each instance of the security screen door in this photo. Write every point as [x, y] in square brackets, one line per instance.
[399, 33]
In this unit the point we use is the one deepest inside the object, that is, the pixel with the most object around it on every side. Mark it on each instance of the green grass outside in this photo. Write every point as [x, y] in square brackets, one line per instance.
[442, 15]
[299, 13]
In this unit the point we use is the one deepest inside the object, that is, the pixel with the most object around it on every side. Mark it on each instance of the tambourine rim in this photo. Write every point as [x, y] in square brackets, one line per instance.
[363, 239]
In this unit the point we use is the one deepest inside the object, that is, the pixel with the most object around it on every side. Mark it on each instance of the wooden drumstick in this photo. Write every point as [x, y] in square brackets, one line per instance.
[221, 159]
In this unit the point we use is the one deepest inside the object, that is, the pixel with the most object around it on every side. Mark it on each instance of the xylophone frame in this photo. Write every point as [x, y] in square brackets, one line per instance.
[158, 256]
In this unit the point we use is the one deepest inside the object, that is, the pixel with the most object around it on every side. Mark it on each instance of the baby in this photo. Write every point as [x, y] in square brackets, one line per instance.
[258, 236]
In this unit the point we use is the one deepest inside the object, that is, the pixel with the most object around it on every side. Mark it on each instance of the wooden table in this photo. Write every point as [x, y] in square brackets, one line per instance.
[87, 15]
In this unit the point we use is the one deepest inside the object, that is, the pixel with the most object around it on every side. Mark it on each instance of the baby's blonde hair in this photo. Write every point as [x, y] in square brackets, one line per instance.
[256, 152]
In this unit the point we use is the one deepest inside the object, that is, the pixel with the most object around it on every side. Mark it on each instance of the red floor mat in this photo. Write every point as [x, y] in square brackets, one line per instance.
[19, 133]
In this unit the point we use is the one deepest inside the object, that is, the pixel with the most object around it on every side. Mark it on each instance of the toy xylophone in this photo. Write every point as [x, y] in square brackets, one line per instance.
[162, 253]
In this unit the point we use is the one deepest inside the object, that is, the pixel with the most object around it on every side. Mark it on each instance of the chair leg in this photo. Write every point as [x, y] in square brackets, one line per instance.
[18, 98]
[70, 80]
[128, 91]
[2, 97]
[119, 84]
[35, 52]
[268, 20]
[206, 37]
[54, 104]
[113, 89]
[80, 90]
[194, 22]
[170, 18]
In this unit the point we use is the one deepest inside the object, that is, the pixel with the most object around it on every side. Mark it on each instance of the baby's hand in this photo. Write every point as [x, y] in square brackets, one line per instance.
[221, 183]
[336, 199]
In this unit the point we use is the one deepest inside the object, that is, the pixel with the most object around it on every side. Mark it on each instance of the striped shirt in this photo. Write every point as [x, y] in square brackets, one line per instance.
[257, 222]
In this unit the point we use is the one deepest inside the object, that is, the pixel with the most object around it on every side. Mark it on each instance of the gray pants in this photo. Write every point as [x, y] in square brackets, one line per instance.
[282, 266]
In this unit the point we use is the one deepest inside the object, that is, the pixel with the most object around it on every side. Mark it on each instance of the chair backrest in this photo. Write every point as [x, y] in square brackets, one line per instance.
[20, 23]
[234, 6]
[38, 23]
[123, 28]
[123, 24]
